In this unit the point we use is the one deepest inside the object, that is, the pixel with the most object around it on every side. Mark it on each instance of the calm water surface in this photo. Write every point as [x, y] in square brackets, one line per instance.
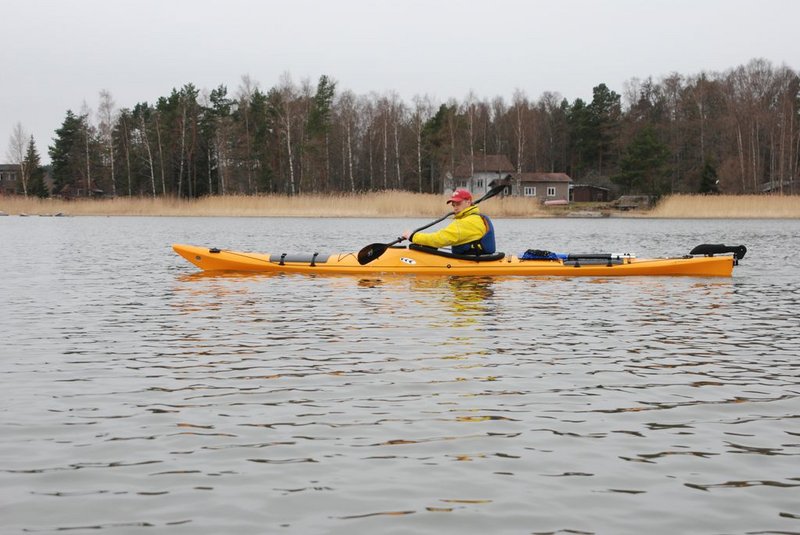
[140, 396]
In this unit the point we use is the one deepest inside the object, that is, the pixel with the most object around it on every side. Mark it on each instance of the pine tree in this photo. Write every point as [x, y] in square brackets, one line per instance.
[318, 132]
[605, 113]
[708, 179]
[582, 138]
[434, 146]
[65, 153]
[643, 167]
[36, 186]
[319, 119]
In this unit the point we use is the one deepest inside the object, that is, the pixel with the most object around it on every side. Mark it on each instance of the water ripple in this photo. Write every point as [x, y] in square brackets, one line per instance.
[139, 393]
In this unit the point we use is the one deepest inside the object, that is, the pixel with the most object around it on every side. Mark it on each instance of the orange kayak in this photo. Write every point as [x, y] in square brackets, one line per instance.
[703, 261]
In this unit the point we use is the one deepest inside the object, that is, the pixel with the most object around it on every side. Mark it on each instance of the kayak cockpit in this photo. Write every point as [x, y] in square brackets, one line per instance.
[447, 254]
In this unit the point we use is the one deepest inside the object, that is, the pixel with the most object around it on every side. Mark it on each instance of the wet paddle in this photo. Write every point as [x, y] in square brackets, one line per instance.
[375, 250]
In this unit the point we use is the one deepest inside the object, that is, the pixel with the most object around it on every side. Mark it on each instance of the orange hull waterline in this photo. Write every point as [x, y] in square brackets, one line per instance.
[414, 260]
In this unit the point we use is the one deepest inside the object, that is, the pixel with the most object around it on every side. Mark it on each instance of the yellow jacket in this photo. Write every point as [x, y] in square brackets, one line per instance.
[467, 226]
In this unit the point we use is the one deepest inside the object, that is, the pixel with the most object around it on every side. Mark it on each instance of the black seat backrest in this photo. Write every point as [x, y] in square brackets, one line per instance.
[448, 254]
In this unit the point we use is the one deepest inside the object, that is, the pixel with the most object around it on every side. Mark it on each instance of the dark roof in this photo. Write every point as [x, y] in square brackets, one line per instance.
[592, 186]
[542, 177]
[484, 163]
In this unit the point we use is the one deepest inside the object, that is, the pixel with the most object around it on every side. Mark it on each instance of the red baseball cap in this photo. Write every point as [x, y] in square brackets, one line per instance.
[460, 195]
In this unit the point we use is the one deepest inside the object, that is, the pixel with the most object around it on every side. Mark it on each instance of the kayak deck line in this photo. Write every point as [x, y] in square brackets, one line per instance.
[716, 261]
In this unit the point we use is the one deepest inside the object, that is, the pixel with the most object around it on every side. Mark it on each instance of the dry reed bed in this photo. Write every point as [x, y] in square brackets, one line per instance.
[390, 204]
[383, 204]
[728, 206]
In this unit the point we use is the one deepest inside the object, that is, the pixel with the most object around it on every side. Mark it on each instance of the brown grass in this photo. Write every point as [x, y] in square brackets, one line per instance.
[728, 206]
[382, 204]
[393, 204]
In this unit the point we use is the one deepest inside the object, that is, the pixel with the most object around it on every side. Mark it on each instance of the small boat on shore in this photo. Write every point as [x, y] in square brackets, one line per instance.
[703, 261]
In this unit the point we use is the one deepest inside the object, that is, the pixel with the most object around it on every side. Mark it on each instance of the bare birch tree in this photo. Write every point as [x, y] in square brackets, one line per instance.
[452, 131]
[288, 93]
[142, 111]
[553, 138]
[673, 90]
[302, 108]
[383, 110]
[160, 147]
[17, 145]
[397, 114]
[468, 109]
[699, 96]
[348, 116]
[369, 114]
[423, 111]
[520, 107]
[124, 125]
[105, 112]
[85, 113]
[247, 89]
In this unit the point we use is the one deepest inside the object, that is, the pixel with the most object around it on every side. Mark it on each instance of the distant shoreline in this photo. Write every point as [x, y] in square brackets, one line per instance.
[398, 204]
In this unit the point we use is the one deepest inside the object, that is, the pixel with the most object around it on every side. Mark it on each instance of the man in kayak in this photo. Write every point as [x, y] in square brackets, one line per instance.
[470, 232]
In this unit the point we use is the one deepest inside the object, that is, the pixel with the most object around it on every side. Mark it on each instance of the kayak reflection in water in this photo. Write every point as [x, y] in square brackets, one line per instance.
[470, 232]
[468, 301]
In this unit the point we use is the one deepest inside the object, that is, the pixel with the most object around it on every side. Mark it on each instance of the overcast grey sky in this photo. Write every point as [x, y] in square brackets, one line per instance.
[57, 54]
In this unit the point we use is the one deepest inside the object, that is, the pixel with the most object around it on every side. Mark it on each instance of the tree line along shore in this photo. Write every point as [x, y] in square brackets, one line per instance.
[731, 132]
[399, 204]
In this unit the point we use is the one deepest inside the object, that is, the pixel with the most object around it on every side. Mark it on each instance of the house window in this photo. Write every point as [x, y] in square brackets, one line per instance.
[479, 183]
[461, 184]
[530, 191]
[551, 191]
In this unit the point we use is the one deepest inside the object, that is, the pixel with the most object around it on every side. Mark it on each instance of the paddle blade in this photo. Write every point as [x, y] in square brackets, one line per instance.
[500, 183]
[371, 252]
[709, 249]
[497, 186]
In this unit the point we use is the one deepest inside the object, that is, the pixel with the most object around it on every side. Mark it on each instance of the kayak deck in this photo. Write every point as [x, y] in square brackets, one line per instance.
[402, 260]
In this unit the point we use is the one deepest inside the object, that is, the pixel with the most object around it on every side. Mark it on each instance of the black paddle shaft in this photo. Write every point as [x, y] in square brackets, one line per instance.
[375, 250]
